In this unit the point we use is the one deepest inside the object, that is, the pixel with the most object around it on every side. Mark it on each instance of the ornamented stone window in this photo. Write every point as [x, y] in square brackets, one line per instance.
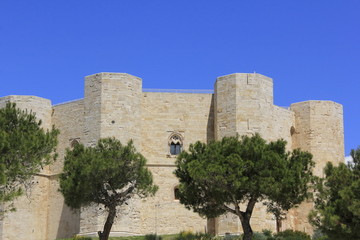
[175, 144]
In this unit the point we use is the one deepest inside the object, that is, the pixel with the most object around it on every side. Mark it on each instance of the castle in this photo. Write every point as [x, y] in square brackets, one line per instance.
[161, 124]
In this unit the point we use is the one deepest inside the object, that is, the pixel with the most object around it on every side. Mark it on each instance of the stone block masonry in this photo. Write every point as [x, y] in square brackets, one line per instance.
[116, 106]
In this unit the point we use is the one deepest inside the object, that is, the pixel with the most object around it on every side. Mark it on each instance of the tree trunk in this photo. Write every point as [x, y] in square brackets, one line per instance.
[245, 223]
[245, 218]
[278, 224]
[104, 235]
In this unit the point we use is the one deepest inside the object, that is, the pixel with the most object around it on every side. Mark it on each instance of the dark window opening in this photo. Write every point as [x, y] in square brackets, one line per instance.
[73, 143]
[176, 193]
[175, 148]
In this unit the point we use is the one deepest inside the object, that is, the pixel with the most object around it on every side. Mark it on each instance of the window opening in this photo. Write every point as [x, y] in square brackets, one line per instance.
[175, 144]
[176, 193]
[74, 142]
[175, 149]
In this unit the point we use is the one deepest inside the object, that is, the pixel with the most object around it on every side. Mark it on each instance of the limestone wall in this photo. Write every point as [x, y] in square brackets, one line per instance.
[67, 117]
[30, 220]
[319, 130]
[162, 213]
[114, 105]
[230, 223]
[281, 122]
[92, 109]
[149, 119]
[243, 104]
[121, 107]
[225, 106]
[112, 109]
[191, 116]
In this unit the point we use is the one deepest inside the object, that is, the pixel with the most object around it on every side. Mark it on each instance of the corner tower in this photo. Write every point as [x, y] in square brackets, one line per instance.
[112, 108]
[29, 217]
[243, 104]
[319, 130]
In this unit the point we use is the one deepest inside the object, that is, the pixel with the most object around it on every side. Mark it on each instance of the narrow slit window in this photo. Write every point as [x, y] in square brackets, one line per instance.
[176, 193]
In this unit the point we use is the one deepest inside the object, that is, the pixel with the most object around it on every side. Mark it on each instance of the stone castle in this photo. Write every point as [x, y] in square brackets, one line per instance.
[161, 124]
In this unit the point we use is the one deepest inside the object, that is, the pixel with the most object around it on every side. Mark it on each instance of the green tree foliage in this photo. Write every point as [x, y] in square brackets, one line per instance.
[337, 202]
[294, 187]
[291, 235]
[216, 177]
[107, 174]
[25, 148]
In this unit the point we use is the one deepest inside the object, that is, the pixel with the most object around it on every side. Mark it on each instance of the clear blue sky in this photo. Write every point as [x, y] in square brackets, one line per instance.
[311, 48]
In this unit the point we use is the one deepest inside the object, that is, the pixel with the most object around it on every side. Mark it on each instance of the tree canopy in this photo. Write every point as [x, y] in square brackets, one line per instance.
[216, 177]
[109, 174]
[25, 148]
[337, 201]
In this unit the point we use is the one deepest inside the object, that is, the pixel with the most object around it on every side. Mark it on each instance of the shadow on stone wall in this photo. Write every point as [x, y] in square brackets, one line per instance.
[210, 134]
[69, 224]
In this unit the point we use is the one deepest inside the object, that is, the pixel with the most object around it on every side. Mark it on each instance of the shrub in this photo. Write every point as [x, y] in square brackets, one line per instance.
[81, 238]
[185, 236]
[259, 236]
[256, 236]
[267, 233]
[318, 235]
[191, 236]
[232, 237]
[291, 235]
[152, 237]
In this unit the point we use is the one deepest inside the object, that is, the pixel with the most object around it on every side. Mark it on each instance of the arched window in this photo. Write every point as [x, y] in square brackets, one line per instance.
[74, 142]
[175, 144]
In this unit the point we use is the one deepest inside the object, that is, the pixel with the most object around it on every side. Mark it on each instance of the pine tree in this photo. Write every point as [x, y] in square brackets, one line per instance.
[108, 174]
[216, 177]
[337, 201]
[25, 148]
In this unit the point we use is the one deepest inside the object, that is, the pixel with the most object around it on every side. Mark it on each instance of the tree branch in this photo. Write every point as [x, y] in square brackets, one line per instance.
[251, 205]
[228, 209]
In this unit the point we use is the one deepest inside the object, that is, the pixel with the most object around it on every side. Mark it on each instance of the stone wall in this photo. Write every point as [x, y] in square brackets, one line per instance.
[148, 119]
[115, 106]
[191, 116]
[69, 119]
[112, 109]
[30, 219]
[244, 106]
[319, 130]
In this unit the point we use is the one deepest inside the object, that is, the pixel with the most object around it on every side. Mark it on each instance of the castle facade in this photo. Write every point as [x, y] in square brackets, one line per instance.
[161, 124]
